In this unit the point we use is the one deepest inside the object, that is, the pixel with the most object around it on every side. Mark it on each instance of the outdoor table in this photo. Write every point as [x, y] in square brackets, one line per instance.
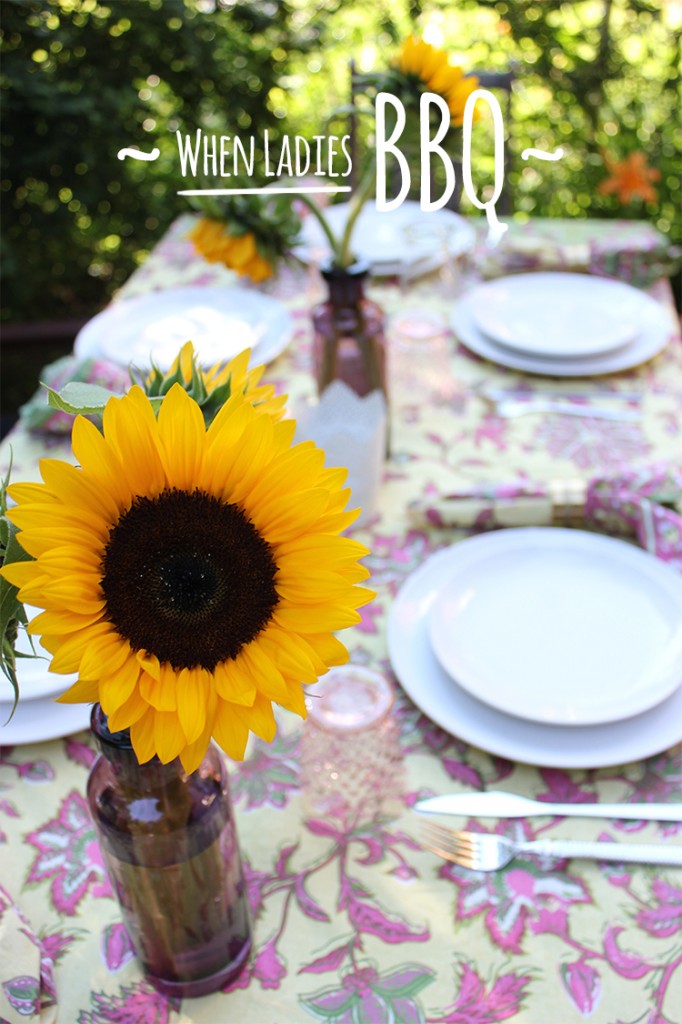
[354, 922]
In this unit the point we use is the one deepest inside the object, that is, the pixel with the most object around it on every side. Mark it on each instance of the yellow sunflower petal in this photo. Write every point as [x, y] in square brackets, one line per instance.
[142, 735]
[82, 692]
[230, 732]
[234, 682]
[99, 461]
[169, 739]
[181, 433]
[117, 687]
[71, 649]
[322, 620]
[41, 539]
[22, 574]
[106, 659]
[60, 622]
[161, 693]
[30, 493]
[128, 714]
[192, 690]
[259, 719]
[130, 428]
[74, 487]
[270, 680]
[328, 648]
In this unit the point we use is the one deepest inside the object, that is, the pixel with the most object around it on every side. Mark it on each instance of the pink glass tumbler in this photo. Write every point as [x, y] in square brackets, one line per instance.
[350, 751]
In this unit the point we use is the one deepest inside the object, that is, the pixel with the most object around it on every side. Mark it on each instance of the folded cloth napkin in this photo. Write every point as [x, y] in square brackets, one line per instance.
[645, 503]
[36, 414]
[632, 251]
[27, 988]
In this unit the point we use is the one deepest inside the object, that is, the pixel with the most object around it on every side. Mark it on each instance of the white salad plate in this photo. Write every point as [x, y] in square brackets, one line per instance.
[453, 709]
[221, 323]
[654, 328]
[560, 626]
[392, 241]
[558, 315]
[38, 720]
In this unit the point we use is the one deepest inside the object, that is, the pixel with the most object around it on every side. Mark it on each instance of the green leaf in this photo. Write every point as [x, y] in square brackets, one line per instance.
[78, 398]
[11, 608]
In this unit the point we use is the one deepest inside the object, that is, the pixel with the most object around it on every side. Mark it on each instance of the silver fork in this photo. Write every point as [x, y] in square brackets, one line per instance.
[485, 852]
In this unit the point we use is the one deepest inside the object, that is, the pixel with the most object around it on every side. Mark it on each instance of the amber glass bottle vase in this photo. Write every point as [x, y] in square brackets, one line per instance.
[170, 847]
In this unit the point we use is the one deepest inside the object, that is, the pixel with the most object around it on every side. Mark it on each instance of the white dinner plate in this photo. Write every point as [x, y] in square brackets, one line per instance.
[560, 626]
[221, 322]
[392, 241]
[452, 708]
[38, 720]
[558, 315]
[654, 330]
[35, 681]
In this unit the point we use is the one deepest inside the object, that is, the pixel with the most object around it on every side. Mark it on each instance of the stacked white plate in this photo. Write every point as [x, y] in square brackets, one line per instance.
[561, 325]
[405, 240]
[221, 323]
[554, 647]
[37, 717]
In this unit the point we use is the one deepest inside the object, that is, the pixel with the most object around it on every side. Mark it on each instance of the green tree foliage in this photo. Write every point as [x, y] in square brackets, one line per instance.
[593, 76]
[82, 79]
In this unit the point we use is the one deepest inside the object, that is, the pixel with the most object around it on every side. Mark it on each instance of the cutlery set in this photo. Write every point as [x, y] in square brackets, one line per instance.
[512, 408]
[486, 852]
[510, 404]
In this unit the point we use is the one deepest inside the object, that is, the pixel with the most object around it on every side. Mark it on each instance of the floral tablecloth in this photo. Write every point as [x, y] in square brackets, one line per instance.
[356, 924]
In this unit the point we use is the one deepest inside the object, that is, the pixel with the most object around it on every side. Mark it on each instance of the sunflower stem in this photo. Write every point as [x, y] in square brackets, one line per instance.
[322, 221]
[362, 193]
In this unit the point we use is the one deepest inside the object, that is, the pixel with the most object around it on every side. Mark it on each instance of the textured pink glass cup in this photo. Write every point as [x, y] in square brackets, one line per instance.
[350, 751]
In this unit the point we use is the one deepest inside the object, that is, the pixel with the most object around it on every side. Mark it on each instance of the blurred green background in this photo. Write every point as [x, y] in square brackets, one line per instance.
[80, 79]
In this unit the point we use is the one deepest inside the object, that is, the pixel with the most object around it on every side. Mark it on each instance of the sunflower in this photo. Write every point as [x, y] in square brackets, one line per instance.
[191, 576]
[211, 388]
[429, 67]
[237, 252]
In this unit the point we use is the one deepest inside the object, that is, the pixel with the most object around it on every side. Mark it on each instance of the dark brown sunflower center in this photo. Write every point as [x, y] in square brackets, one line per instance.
[188, 578]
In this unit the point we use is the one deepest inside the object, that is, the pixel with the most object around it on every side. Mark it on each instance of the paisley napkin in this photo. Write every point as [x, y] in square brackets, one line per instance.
[632, 251]
[644, 503]
[27, 988]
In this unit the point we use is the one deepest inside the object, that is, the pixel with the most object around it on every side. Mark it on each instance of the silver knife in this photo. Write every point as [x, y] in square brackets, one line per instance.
[494, 804]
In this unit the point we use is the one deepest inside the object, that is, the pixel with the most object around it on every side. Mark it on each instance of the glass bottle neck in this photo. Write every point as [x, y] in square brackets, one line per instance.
[116, 748]
[346, 286]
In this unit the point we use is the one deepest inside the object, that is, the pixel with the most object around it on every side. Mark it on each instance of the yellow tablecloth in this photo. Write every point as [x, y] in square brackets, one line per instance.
[358, 925]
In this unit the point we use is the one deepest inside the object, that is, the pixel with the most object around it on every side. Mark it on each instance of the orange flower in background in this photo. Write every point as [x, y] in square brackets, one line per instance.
[630, 178]
[432, 66]
[237, 252]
